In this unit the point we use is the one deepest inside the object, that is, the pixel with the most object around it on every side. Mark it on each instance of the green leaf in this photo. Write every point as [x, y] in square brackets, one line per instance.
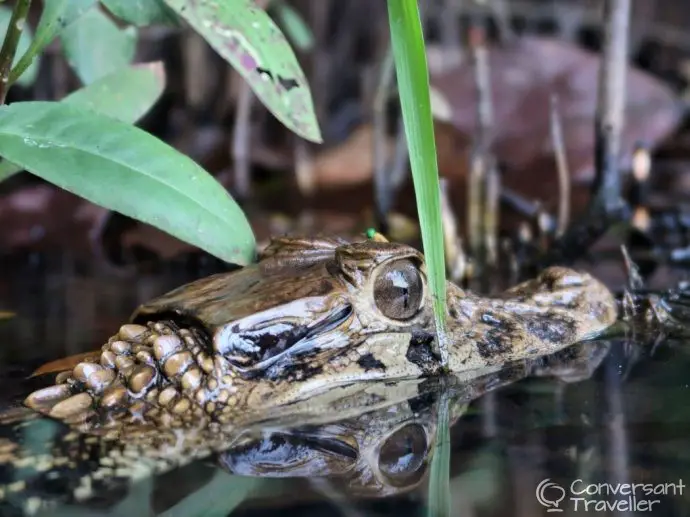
[125, 95]
[56, 15]
[413, 84]
[125, 169]
[28, 78]
[142, 12]
[295, 27]
[250, 41]
[95, 46]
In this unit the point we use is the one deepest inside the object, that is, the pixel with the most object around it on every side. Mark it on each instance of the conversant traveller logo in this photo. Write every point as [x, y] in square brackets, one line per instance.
[604, 497]
[550, 495]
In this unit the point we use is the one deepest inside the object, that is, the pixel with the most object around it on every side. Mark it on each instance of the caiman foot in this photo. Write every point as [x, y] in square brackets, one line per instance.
[139, 368]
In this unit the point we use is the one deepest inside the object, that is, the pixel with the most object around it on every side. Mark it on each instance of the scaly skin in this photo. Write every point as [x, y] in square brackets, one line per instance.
[197, 364]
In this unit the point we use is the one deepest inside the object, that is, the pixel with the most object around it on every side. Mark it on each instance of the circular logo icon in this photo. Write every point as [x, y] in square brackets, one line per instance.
[550, 495]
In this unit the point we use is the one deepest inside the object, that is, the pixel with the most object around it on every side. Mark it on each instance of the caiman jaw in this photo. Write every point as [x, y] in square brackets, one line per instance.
[158, 367]
[253, 344]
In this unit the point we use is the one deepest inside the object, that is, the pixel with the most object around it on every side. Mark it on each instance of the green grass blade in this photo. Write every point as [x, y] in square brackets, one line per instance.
[439, 500]
[407, 42]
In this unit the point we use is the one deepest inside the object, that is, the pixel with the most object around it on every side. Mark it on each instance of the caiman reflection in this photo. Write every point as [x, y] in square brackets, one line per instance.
[197, 364]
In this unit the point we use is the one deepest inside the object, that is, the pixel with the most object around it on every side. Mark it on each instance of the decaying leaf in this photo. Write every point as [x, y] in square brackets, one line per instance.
[351, 162]
[244, 35]
[524, 75]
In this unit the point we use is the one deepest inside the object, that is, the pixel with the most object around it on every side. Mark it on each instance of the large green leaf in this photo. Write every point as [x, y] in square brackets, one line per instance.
[407, 41]
[125, 95]
[252, 43]
[24, 42]
[95, 46]
[123, 168]
[141, 12]
[56, 16]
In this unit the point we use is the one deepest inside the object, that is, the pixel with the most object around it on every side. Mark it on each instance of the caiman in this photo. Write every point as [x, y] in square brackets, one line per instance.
[377, 440]
[191, 367]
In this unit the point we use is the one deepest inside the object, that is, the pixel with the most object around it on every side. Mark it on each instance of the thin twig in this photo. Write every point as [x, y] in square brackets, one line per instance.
[491, 213]
[481, 158]
[456, 262]
[348, 30]
[606, 207]
[634, 277]
[561, 168]
[382, 182]
[449, 21]
[319, 14]
[501, 12]
[9, 45]
[240, 140]
[609, 117]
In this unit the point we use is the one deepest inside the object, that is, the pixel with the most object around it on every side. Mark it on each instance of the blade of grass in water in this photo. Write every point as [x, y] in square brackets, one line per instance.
[438, 500]
[407, 42]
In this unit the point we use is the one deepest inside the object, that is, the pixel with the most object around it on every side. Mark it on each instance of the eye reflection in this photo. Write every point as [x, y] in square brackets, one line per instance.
[402, 455]
[398, 290]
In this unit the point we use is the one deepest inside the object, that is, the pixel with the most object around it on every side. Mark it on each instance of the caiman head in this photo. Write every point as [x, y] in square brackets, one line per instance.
[311, 315]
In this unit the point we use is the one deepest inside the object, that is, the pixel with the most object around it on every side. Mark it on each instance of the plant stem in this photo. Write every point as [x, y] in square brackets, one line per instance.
[606, 206]
[561, 167]
[611, 102]
[382, 183]
[9, 46]
[240, 140]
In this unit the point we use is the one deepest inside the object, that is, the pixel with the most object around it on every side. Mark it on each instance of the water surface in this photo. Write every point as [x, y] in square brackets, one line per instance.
[607, 414]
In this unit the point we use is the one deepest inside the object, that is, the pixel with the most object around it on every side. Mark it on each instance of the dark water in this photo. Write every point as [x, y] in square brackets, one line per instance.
[606, 414]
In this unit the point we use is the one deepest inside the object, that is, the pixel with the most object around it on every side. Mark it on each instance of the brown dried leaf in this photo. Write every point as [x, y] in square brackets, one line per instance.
[349, 163]
[524, 76]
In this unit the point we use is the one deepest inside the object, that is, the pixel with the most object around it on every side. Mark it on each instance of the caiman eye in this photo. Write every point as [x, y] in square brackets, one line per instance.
[398, 290]
[402, 455]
